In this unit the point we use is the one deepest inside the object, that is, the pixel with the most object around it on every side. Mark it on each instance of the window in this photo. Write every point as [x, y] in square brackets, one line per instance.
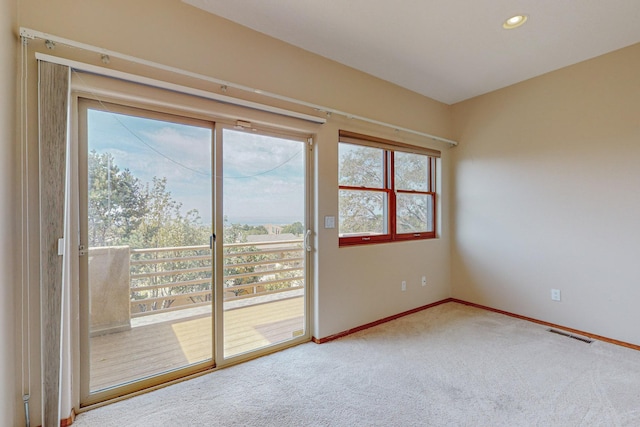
[386, 190]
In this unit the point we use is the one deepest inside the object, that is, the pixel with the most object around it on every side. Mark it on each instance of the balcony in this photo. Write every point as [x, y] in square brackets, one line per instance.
[151, 308]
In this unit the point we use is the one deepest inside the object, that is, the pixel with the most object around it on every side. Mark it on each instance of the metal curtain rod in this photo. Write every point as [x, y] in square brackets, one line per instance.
[33, 34]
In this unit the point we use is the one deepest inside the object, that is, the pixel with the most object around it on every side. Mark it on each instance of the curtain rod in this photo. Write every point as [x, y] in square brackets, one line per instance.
[33, 34]
[108, 72]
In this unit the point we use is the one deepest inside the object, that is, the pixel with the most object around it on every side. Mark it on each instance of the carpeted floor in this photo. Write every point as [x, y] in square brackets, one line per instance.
[451, 365]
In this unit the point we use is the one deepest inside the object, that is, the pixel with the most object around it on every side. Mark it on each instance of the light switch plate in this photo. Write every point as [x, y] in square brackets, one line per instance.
[329, 222]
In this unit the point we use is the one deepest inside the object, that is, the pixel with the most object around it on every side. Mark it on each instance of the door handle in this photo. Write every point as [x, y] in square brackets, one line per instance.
[307, 242]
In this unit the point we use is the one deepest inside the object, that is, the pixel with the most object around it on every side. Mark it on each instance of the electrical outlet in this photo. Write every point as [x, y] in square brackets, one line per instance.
[555, 294]
[404, 285]
[424, 280]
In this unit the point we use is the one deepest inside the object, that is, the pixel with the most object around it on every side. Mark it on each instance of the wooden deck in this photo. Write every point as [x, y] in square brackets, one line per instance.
[165, 345]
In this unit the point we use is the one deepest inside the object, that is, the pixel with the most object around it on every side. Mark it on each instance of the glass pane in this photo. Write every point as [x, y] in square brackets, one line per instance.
[149, 221]
[412, 171]
[362, 213]
[264, 226]
[360, 166]
[414, 213]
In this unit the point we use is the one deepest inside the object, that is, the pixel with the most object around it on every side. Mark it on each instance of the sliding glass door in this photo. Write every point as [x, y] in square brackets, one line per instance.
[194, 246]
[146, 189]
[264, 240]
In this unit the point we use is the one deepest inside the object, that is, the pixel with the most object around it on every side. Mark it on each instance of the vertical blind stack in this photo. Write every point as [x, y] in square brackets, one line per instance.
[53, 93]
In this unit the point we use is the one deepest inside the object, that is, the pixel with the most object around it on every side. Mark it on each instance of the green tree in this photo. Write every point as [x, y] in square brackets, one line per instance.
[234, 255]
[364, 211]
[165, 226]
[361, 211]
[237, 233]
[117, 204]
[123, 211]
[412, 172]
[296, 228]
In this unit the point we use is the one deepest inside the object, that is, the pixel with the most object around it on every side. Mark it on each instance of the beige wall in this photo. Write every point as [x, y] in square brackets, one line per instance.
[174, 33]
[357, 285]
[353, 286]
[546, 179]
[10, 396]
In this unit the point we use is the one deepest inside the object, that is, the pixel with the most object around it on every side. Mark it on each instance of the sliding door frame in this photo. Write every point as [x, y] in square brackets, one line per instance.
[87, 397]
[129, 94]
[306, 140]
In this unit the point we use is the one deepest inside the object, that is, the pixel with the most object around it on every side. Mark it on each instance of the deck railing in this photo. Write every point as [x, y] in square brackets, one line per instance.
[175, 278]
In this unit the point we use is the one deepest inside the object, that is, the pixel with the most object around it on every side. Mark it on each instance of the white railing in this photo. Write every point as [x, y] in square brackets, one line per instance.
[175, 278]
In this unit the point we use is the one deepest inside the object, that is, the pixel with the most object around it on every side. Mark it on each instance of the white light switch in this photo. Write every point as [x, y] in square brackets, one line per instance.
[329, 222]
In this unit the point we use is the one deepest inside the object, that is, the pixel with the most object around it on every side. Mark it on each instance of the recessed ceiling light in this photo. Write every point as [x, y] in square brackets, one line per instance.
[514, 22]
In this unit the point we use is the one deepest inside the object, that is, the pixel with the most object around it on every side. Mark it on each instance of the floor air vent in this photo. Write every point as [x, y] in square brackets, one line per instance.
[575, 337]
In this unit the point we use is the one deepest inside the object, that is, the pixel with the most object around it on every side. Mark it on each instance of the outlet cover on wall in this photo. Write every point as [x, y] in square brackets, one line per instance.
[555, 294]
[424, 280]
[404, 285]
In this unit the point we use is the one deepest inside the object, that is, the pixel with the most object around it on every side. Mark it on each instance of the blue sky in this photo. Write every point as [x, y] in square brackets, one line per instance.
[263, 176]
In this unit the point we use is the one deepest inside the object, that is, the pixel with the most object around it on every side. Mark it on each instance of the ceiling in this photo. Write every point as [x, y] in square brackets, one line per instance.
[449, 50]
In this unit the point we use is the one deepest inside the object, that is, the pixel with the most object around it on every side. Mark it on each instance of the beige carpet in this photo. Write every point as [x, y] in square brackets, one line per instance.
[451, 365]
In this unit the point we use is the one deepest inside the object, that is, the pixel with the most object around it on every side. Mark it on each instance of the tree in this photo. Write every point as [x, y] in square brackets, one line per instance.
[123, 211]
[296, 228]
[362, 211]
[365, 211]
[117, 204]
[413, 211]
[237, 233]
[165, 226]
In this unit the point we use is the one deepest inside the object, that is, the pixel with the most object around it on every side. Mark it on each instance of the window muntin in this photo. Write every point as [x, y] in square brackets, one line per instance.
[386, 193]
